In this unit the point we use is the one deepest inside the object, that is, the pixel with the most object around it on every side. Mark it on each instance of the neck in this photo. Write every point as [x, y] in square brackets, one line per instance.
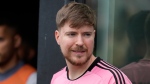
[77, 71]
[9, 64]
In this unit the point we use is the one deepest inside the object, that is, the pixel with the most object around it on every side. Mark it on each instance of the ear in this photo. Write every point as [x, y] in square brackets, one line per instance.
[57, 35]
[94, 33]
[17, 41]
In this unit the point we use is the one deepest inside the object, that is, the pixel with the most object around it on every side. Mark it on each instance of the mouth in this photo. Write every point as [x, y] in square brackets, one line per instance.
[76, 51]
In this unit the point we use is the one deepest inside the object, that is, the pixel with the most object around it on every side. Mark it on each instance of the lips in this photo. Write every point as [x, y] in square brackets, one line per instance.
[78, 50]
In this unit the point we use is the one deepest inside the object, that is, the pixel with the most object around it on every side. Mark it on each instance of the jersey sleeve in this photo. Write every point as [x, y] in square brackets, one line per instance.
[125, 80]
[32, 78]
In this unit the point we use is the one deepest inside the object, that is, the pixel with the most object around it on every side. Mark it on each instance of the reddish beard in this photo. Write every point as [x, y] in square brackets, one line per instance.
[82, 60]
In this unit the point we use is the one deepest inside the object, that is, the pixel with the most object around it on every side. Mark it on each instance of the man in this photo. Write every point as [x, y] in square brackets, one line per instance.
[138, 71]
[12, 68]
[75, 35]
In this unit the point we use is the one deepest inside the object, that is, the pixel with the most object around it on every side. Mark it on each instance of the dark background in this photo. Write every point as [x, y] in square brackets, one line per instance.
[26, 14]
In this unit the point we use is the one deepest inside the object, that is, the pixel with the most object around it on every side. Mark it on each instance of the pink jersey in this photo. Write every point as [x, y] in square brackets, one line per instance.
[100, 72]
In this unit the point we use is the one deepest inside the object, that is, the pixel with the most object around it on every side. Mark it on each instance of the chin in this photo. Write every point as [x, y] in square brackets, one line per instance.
[78, 62]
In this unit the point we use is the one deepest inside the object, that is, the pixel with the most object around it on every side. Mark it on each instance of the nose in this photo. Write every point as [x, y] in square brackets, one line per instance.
[79, 41]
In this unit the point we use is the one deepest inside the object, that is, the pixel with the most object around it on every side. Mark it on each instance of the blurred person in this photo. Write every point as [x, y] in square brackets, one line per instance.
[12, 68]
[27, 52]
[136, 36]
[75, 35]
[138, 32]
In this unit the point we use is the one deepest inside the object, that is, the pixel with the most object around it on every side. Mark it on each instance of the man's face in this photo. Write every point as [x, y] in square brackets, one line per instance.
[76, 43]
[6, 45]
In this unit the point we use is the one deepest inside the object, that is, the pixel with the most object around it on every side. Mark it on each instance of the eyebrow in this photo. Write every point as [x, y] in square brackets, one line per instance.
[76, 32]
[70, 32]
[87, 32]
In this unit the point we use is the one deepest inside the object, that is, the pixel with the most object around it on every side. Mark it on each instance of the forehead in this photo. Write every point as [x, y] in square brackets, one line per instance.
[4, 30]
[67, 27]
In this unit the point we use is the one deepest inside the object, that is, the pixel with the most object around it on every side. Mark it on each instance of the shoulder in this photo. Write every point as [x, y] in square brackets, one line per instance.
[26, 72]
[32, 78]
[129, 66]
[61, 71]
[32, 74]
[124, 80]
[58, 74]
[109, 72]
[28, 67]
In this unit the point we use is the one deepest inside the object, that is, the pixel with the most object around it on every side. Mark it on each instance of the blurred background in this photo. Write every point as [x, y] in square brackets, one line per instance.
[114, 32]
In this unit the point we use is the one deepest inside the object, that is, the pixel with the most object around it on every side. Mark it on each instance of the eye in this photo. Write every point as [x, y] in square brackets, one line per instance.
[87, 34]
[71, 34]
[1, 39]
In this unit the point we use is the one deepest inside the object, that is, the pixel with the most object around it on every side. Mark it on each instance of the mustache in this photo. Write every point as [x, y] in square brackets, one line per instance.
[79, 48]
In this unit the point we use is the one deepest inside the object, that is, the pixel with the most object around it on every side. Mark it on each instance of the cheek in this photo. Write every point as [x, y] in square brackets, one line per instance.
[3, 49]
[66, 44]
[90, 43]
[6, 47]
[90, 46]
